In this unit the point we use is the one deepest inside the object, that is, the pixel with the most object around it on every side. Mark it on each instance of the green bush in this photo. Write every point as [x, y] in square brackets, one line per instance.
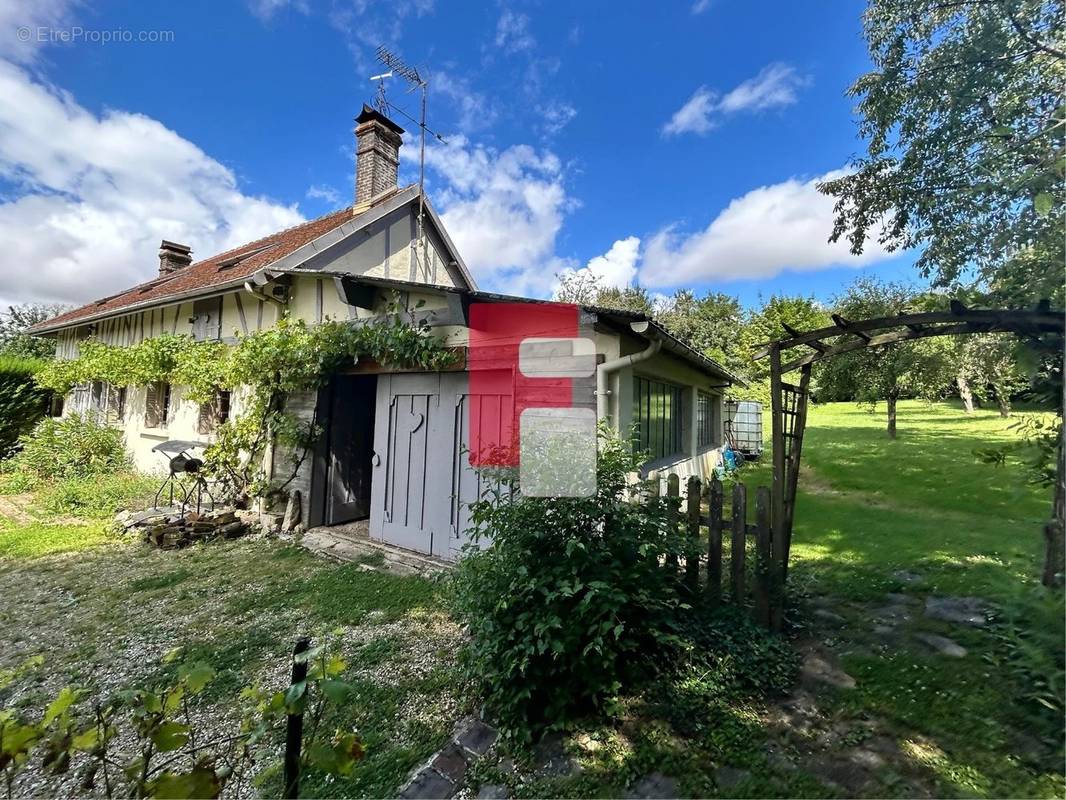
[70, 447]
[22, 401]
[566, 599]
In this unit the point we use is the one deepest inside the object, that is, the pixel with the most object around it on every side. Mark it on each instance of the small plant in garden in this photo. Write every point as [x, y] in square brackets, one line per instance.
[568, 598]
[70, 447]
[171, 757]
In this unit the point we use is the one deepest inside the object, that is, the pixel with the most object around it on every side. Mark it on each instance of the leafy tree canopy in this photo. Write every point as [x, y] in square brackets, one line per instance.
[14, 341]
[963, 115]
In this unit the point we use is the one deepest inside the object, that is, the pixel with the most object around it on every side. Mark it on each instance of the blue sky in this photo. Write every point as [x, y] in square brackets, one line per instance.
[670, 144]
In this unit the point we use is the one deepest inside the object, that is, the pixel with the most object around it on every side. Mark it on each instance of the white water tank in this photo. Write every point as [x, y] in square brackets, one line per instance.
[743, 426]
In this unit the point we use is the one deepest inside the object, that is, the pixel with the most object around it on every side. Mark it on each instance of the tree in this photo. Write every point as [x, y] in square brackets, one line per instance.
[989, 365]
[907, 369]
[963, 118]
[14, 341]
[712, 324]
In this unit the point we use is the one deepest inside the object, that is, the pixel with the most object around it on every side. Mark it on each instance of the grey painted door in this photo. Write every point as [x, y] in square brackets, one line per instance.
[423, 481]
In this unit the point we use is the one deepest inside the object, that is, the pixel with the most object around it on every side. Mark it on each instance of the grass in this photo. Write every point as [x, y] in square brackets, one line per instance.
[103, 612]
[914, 517]
[870, 510]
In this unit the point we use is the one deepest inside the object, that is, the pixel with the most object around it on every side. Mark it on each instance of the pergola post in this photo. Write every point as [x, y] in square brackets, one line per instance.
[777, 491]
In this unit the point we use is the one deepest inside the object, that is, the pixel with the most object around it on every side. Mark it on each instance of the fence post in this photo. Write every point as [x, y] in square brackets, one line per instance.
[740, 534]
[294, 726]
[714, 543]
[763, 566]
[673, 494]
[692, 551]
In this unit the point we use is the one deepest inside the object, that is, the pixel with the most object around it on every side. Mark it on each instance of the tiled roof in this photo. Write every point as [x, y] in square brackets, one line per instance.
[219, 270]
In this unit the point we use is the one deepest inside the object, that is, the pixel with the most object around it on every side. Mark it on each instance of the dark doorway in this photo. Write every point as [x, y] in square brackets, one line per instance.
[349, 440]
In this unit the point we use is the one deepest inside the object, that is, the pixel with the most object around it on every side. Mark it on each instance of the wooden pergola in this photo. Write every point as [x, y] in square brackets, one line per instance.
[789, 400]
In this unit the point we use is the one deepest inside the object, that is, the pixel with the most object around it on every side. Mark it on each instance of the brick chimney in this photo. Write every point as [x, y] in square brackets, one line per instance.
[173, 256]
[377, 149]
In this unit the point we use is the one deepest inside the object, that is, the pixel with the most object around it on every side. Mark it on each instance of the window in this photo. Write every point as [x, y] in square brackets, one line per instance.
[116, 404]
[706, 420]
[214, 413]
[157, 405]
[657, 415]
[107, 403]
[207, 319]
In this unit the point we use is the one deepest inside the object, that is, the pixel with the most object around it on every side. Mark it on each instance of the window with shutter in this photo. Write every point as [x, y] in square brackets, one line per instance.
[116, 404]
[214, 413]
[157, 405]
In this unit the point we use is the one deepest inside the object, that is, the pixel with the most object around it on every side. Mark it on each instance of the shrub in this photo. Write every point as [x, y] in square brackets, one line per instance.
[70, 447]
[22, 401]
[566, 598]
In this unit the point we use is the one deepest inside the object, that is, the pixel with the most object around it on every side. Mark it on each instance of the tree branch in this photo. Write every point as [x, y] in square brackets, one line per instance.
[1017, 25]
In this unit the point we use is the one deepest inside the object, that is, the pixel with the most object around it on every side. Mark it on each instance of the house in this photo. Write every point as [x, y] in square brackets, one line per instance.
[394, 447]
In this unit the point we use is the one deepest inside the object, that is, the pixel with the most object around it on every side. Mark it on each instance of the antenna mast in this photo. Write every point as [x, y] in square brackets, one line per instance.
[397, 66]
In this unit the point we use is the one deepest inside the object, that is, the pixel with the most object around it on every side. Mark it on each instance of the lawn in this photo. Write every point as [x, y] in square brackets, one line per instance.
[880, 527]
[103, 613]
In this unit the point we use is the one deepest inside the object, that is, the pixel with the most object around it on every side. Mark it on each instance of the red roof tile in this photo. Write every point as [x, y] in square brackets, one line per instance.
[224, 268]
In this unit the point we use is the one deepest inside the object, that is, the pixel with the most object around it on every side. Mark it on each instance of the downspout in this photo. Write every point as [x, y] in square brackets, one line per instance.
[604, 370]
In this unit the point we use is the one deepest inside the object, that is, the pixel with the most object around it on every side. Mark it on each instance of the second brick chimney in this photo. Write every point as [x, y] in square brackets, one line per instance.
[377, 149]
[173, 256]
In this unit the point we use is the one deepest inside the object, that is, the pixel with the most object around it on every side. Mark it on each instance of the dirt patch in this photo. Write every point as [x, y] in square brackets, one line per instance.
[13, 506]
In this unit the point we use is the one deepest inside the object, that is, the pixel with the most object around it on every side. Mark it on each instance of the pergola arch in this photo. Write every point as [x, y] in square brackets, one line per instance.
[789, 401]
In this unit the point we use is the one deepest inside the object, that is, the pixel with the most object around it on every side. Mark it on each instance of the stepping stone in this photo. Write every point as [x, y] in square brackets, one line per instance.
[960, 610]
[729, 777]
[451, 763]
[493, 791]
[476, 736]
[655, 785]
[818, 669]
[552, 760]
[942, 644]
[428, 784]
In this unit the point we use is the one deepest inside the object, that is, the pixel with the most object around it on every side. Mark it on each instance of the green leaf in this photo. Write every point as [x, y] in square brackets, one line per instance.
[199, 783]
[1043, 203]
[197, 677]
[296, 697]
[170, 736]
[86, 740]
[337, 691]
[66, 697]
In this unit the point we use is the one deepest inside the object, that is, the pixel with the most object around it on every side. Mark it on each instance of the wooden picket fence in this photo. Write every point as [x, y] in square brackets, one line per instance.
[766, 591]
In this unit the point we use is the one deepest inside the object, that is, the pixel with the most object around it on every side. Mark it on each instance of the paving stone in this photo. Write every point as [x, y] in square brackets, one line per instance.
[428, 784]
[884, 630]
[960, 610]
[476, 736]
[655, 785]
[729, 777]
[552, 760]
[818, 669]
[493, 791]
[451, 762]
[942, 644]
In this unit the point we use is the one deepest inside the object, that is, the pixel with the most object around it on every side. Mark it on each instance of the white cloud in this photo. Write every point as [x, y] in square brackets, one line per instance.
[774, 87]
[784, 226]
[325, 193]
[695, 116]
[25, 25]
[614, 269]
[266, 9]
[95, 194]
[512, 32]
[472, 109]
[700, 6]
[504, 209]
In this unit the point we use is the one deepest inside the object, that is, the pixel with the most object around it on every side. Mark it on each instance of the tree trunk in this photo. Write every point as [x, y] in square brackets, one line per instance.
[1055, 529]
[965, 393]
[892, 415]
[1004, 404]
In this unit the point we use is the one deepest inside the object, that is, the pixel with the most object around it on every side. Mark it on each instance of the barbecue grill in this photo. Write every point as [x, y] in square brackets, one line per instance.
[180, 462]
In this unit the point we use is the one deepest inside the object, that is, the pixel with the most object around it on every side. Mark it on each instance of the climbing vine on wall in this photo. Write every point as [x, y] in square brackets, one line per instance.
[264, 367]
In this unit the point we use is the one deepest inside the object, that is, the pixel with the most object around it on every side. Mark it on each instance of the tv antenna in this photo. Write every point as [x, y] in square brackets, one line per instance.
[396, 66]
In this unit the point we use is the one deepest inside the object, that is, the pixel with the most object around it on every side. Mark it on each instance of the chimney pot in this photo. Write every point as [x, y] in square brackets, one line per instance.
[377, 149]
[173, 256]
